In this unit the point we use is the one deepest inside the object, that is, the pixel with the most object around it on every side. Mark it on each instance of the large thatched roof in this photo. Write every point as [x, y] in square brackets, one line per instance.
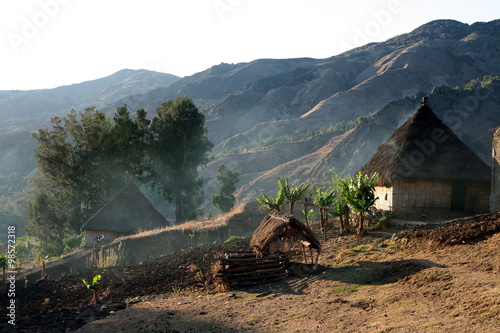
[128, 212]
[277, 226]
[425, 148]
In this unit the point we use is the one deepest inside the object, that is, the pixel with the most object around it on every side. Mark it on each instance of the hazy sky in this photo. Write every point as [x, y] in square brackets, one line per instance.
[48, 43]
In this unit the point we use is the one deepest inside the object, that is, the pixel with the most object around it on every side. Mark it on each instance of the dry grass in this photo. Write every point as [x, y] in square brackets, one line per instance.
[205, 224]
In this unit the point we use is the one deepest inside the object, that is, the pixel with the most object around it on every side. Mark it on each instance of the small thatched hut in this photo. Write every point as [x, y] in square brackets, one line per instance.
[424, 165]
[128, 212]
[277, 233]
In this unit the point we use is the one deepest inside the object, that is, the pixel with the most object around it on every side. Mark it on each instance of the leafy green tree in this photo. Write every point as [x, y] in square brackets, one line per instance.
[227, 180]
[46, 224]
[292, 193]
[341, 210]
[178, 146]
[359, 194]
[74, 164]
[324, 200]
[83, 159]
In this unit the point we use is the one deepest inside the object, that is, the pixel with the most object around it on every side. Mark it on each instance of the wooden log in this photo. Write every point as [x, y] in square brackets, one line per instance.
[250, 260]
[254, 278]
[258, 272]
[248, 252]
[252, 268]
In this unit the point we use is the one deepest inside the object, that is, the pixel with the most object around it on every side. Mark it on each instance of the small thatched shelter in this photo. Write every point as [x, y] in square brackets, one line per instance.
[128, 212]
[424, 165]
[277, 233]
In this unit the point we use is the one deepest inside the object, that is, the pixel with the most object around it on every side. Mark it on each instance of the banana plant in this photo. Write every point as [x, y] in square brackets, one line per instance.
[291, 193]
[324, 200]
[93, 287]
[359, 193]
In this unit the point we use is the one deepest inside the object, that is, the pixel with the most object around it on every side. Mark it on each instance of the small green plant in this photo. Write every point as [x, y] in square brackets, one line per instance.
[349, 289]
[360, 248]
[234, 238]
[93, 287]
[177, 290]
[383, 223]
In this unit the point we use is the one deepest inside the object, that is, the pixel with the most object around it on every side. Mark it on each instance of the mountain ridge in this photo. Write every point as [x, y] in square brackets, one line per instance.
[374, 86]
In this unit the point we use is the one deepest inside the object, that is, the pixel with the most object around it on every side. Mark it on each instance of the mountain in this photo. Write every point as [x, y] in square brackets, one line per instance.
[349, 151]
[248, 102]
[298, 118]
[25, 108]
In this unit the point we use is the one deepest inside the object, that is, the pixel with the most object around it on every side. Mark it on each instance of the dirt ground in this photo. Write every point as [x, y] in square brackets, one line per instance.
[414, 276]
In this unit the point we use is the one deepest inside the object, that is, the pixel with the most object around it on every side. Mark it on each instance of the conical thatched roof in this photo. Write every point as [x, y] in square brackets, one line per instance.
[277, 226]
[425, 148]
[128, 212]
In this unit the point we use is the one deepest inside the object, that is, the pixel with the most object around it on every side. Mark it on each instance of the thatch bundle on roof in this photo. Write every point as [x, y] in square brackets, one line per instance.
[279, 232]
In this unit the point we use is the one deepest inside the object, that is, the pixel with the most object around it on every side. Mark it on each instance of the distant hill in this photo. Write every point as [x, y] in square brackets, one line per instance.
[26, 108]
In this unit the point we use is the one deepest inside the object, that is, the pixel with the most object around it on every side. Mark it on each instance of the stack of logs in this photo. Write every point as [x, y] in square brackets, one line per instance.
[244, 267]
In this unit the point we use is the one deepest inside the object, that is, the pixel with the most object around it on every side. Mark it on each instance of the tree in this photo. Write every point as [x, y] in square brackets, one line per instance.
[359, 195]
[324, 200]
[340, 207]
[178, 146]
[74, 164]
[341, 210]
[126, 142]
[45, 223]
[227, 180]
[83, 160]
[292, 193]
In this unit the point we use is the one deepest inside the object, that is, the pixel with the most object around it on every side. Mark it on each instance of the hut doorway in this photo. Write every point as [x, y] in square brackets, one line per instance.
[458, 191]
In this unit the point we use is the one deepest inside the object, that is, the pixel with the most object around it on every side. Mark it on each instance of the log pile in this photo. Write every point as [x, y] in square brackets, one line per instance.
[244, 267]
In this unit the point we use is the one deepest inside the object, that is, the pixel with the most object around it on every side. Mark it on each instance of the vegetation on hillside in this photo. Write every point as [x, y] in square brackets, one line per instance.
[227, 179]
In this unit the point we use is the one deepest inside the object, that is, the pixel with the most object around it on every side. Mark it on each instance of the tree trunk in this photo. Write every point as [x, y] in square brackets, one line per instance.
[324, 221]
[342, 226]
[361, 223]
[306, 206]
[179, 215]
[346, 221]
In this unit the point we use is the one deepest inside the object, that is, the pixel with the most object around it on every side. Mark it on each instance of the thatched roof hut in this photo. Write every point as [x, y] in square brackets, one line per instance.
[279, 232]
[128, 212]
[425, 148]
[425, 153]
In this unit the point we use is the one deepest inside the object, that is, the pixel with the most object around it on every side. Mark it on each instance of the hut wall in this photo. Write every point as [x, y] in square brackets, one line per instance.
[384, 195]
[414, 195]
[483, 201]
[495, 179]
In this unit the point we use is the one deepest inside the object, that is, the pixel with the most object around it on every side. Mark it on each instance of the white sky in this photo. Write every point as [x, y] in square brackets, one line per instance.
[48, 43]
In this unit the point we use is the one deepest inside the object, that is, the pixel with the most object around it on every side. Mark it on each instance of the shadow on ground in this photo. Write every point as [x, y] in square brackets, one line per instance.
[361, 273]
